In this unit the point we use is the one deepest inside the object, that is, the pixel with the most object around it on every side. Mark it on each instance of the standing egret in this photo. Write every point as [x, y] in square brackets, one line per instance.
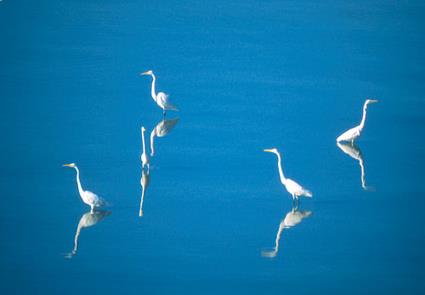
[88, 197]
[160, 98]
[292, 218]
[144, 182]
[144, 156]
[291, 186]
[88, 219]
[353, 133]
[161, 129]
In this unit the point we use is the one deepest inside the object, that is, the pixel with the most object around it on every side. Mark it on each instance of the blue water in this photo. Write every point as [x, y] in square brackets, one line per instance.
[245, 76]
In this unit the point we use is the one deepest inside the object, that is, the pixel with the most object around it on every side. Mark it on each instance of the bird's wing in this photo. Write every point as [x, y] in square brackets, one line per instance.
[297, 189]
[92, 198]
[349, 134]
[163, 100]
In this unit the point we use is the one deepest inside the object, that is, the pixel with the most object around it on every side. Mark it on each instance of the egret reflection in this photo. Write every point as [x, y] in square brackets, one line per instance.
[291, 219]
[88, 219]
[163, 128]
[291, 186]
[144, 182]
[352, 134]
[354, 152]
[160, 98]
[144, 156]
[89, 198]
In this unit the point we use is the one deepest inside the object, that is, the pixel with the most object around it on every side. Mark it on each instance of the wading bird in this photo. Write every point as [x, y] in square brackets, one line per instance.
[144, 156]
[161, 98]
[291, 186]
[292, 218]
[161, 129]
[88, 197]
[88, 219]
[353, 133]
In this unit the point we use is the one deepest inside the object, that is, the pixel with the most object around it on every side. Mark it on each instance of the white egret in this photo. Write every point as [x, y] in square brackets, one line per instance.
[144, 156]
[160, 98]
[292, 218]
[353, 133]
[88, 219]
[88, 197]
[291, 186]
[161, 129]
[144, 182]
[354, 152]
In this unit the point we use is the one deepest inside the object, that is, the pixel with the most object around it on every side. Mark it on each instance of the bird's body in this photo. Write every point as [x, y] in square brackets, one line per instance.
[291, 186]
[88, 197]
[352, 134]
[144, 156]
[161, 99]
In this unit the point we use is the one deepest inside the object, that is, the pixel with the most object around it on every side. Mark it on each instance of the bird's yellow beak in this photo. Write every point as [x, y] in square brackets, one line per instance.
[66, 165]
[268, 150]
[374, 100]
[144, 73]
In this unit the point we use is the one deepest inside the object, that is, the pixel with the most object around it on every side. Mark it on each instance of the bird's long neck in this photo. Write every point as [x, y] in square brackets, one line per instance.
[153, 92]
[364, 116]
[143, 141]
[279, 164]
[80, 188]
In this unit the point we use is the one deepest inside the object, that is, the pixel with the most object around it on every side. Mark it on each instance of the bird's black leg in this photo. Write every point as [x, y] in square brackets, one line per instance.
[163, 114]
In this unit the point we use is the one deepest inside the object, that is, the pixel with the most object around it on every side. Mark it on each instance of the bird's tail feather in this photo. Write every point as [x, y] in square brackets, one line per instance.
[308, 193]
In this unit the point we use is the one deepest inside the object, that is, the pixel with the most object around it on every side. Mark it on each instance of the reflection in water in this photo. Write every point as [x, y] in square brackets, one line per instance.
[144, 181]
[291, 186]
[353, 133]
[88, 197]
[354, 152]
[162, 129]
[292, 218]
[144, 156]
[88, 219]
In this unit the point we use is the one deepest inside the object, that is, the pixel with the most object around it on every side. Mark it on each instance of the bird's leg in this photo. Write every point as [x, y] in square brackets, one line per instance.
[91, 209]
[163, 114]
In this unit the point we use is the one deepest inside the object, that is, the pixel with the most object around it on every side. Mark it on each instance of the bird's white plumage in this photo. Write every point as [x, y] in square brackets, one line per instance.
[353, 133]
[161, 99]
[291, 186]
[88, 197]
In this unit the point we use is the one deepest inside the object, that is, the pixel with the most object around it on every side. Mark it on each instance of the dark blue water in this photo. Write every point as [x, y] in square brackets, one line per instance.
[245, 76]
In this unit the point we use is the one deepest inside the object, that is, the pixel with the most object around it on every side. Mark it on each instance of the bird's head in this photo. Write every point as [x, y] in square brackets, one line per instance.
[143, 129]
[147, 73]
[273, 150]
[368, 101]
[72, 165]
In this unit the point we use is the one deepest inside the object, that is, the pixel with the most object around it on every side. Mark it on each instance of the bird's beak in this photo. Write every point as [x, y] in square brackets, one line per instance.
[144, 73]
[373, 100]
[66, 165]
[268, 150]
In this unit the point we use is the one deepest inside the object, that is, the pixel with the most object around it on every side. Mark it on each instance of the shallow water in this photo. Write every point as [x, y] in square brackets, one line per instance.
[245, 76]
